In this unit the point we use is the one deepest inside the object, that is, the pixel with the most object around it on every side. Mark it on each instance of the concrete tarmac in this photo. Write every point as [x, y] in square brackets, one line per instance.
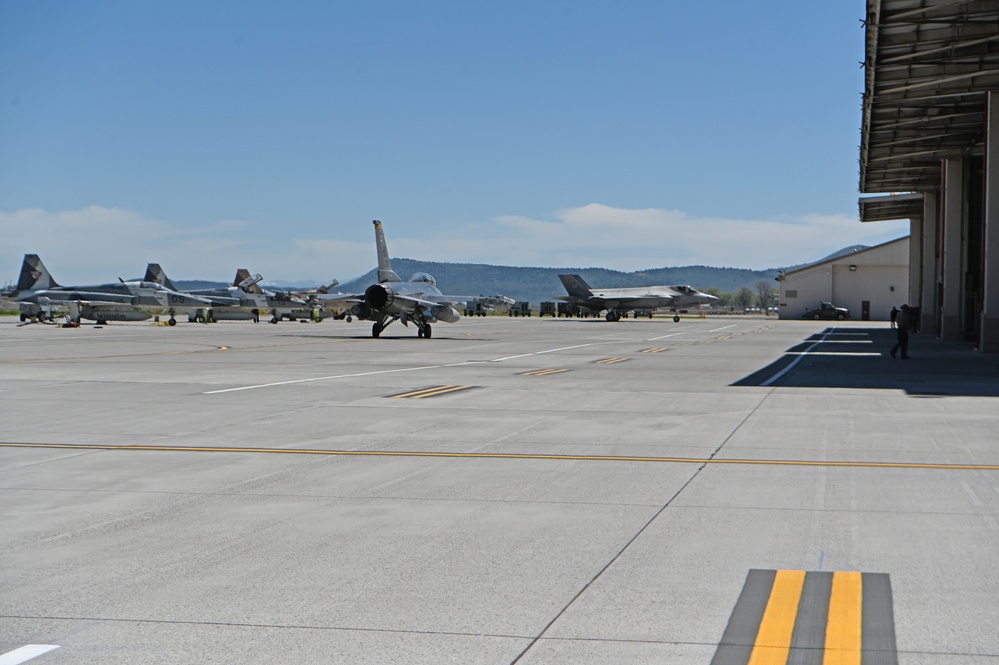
[511, 491]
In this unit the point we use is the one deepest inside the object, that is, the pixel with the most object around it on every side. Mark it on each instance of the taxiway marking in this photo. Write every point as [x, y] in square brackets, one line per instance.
[827, 618]
[433, 391]
[776, 377]
[521, 456]
[26, 653]
[544, 372]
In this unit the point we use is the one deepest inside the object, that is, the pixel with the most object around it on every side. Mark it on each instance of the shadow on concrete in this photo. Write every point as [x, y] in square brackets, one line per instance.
[858, 358]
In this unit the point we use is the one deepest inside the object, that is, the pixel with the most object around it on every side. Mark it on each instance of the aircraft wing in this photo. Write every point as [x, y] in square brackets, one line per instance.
[650, 301]
[432, 299]
[339, 297]
[96, 298]
[429, 300]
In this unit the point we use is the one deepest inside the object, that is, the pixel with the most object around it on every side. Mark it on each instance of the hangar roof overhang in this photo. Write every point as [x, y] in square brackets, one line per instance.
[892, 206]
[929, 65]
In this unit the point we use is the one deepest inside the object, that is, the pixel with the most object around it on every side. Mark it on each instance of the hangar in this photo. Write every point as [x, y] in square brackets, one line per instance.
[930, 149]
[868, 282]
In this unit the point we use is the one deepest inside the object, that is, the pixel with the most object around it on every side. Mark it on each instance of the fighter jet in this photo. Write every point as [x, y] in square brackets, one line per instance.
[286, 304]
[618, 302]
[245, 299]
[38, 295]
[391, 299]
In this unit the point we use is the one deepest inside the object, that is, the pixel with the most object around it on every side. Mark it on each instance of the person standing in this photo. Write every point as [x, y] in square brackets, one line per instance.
[894, 316]
[903, 323]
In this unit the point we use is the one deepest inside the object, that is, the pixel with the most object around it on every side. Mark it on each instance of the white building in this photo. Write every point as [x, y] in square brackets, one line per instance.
[868, 283]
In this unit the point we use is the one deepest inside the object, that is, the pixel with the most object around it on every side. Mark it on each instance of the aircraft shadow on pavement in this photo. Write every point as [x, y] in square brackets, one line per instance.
[859, 358]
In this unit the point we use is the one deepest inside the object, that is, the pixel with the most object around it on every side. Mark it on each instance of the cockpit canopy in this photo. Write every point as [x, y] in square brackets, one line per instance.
[683, 288]
[423, 277]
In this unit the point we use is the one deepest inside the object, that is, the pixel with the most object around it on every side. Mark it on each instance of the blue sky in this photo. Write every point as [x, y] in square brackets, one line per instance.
[208, 136]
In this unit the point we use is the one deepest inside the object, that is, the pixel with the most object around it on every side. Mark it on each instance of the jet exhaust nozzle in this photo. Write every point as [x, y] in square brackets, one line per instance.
[378, 296]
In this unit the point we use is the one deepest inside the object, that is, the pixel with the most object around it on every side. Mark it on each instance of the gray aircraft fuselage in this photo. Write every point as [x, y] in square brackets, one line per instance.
[618, 301]
[417, 300]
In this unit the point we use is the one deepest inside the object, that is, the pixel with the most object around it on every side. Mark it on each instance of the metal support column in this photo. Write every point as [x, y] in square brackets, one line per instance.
[989, 340]
[928, 265]
[915, 296]
[952, 250]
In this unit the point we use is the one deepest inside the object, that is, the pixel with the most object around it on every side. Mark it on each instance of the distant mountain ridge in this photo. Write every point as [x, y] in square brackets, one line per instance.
[539, 284]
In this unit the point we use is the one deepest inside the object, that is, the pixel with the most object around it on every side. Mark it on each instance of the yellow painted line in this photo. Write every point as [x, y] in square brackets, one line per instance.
[522, 456]
[430, 392]
[544, 372]
[610, 361]
[655, 350]
[773, 641]
[843, 630]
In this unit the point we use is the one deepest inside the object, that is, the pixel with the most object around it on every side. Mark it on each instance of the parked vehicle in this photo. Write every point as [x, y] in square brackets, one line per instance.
[826, 310]
[476, 308]
[522, 308]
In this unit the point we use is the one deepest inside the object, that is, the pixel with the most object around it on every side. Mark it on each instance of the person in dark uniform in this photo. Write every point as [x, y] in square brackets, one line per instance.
[894, 316]
[903, 323]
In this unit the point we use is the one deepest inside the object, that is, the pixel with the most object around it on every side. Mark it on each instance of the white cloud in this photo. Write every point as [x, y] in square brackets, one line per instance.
[634, 239]
[97, 244]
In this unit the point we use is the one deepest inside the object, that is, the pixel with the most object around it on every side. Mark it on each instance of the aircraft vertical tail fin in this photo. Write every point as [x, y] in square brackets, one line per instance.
[246, 281]
[576, 286]
[156, 274]
[34, 276]
[385, 272]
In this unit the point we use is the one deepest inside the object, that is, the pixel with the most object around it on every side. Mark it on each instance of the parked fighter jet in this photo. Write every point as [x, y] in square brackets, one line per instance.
[621, 301]
[391, 299]
[286, 304]
[38, 295]
[245, 297]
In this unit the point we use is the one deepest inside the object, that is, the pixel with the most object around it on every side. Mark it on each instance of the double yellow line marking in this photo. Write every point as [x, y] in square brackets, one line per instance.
[519, 456]
[433, 391]
[544, 372]
[610, 361]
[819, 617]
[655, 350]
[842, 640]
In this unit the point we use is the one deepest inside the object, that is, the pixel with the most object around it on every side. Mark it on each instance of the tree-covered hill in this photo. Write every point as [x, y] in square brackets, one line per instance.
[538, 284]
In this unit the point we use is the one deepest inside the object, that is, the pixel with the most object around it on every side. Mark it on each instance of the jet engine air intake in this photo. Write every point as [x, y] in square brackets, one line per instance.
[378, 296]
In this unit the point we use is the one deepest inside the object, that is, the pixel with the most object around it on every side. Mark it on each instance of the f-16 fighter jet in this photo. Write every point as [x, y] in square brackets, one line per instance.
[418, 300]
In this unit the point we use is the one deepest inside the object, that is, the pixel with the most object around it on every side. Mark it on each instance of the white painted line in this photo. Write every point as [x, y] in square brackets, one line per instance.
[725, 328]
[26, 653]
[323, 378]
[653, 339]
[797, 360]
[835, 353]
[538, 353]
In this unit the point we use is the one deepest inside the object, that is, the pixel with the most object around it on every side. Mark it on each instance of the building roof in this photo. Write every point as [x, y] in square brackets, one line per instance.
[840, 258]
[892, 206]
[929, 65]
